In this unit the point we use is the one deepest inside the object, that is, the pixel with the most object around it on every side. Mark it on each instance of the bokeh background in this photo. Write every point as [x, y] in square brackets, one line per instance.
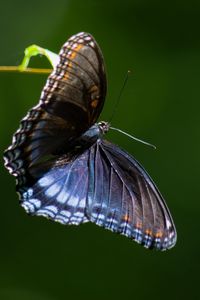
[159, 42]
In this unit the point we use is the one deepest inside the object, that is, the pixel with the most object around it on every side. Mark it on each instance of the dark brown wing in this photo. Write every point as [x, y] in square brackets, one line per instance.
[70, 103]
[76, 90]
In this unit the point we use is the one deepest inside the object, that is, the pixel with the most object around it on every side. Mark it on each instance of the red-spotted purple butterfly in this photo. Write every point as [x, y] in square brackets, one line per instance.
[64, 168]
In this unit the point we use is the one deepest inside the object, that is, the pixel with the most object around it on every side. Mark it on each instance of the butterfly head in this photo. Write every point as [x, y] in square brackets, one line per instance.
[103, 127]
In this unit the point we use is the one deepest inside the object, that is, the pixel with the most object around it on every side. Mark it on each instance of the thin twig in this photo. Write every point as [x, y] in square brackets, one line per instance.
[27, 70]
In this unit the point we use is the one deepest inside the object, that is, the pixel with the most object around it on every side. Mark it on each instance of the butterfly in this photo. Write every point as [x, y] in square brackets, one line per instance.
[66, 171]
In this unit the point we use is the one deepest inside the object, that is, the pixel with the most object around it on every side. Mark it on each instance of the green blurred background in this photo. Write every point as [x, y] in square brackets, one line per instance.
[159, 42]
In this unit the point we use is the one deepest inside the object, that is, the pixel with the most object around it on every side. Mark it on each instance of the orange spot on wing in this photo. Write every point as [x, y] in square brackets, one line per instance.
[94, 103]
[148, 232]
[74, 51]
[66, 75]
[93, 89]
[72, 56]
[138, 225]
[126, 218]
[159, 234]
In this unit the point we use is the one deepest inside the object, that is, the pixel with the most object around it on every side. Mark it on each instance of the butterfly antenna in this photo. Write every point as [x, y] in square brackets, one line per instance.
[133, 137]
[120, 94]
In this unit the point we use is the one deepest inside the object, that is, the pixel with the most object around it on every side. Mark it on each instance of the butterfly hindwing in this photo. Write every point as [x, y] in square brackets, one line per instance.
[123, 198]
[107, 186]
[58, 191]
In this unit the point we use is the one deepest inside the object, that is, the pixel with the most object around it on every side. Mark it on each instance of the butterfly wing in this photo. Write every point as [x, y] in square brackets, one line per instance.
[123, 198]
[70, 103]
[102, 184]
[57, 189]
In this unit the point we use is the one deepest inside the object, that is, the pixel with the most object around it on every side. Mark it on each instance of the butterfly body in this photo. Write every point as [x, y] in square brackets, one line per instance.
[68, 172]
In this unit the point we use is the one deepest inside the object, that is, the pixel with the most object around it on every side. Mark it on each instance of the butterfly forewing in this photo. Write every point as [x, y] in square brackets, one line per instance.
[78, 83]
[70, 103]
